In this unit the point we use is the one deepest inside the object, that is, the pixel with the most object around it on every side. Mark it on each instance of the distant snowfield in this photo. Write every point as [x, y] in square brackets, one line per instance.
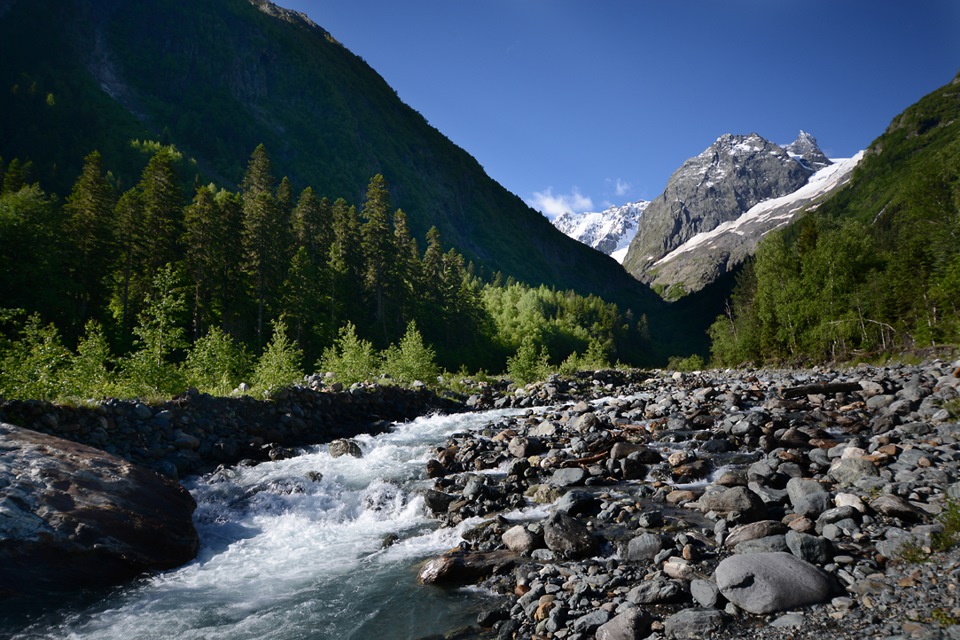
[779, 211]
[614, 226]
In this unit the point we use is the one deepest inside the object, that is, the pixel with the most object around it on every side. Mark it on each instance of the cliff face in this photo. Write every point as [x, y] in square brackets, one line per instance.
[734, 174]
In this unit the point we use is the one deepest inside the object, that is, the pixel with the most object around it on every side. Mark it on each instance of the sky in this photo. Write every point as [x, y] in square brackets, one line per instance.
[577, 105]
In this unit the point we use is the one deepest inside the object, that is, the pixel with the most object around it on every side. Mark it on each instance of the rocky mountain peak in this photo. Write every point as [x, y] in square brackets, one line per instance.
[805, 150]
[733, 174]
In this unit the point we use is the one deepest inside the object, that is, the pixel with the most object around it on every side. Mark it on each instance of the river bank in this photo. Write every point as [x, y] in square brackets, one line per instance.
[724, 504]
[194, 433]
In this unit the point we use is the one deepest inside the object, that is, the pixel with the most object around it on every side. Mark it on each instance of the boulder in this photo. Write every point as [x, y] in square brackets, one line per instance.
[657, 591]
[519, 539]
[753, 531]
[344, 447]
[461, 567]
[646, 546]
[808, 497]
[730, 500]
[771, 582]
[694, 623]
[568, 537]
[72, 516]
[632, 624]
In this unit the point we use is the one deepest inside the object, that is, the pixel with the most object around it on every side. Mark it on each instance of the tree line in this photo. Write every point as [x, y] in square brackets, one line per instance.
[153, 277]
[874, 271]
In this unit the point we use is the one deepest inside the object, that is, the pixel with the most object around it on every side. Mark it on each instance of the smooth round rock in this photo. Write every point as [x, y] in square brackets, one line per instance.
[770, 582]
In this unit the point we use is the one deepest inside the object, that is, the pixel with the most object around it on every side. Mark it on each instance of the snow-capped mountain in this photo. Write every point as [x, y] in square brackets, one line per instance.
[609, 231]
[715, 189]
[709, 254]
[717, 186]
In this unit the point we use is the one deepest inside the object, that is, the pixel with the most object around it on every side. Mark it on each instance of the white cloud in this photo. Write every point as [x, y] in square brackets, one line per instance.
[552, 205]
[620, 187]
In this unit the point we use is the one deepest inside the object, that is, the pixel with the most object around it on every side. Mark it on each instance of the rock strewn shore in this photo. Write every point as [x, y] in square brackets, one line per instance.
[766, 504]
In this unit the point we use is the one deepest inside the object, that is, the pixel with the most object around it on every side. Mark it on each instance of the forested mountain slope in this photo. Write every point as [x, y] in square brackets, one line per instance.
[219, 77]
[876, 268]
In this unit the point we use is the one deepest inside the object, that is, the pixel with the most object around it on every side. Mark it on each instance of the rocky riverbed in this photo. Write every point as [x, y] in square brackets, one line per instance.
[721, 504]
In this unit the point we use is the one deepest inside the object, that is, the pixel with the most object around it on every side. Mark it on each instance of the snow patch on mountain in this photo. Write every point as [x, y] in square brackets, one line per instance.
[775, 212]
[609, 231]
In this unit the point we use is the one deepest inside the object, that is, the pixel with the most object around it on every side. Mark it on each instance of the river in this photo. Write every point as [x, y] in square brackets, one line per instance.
[293, 549]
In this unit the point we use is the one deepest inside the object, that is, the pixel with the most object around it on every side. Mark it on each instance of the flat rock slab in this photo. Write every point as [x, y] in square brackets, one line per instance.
[770, 582]
[72, 516]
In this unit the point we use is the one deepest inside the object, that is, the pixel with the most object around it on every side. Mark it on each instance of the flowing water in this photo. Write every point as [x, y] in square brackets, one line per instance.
[293, 550]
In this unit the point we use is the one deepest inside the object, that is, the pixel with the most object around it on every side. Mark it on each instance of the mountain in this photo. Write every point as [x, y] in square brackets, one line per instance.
[721, 184]
[710, 254]
[218, 77]
[609, 231]
[875, 269]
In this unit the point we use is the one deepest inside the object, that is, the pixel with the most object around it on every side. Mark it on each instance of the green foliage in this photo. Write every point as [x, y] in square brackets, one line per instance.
[150, 370]
[280, 364]
[91, 371]
[411, 360]
[226, 252]
[216, 364]
[859, 276]
[529, 363]
[350, 359]
[689, 363]
[594, 358]
[33, 364]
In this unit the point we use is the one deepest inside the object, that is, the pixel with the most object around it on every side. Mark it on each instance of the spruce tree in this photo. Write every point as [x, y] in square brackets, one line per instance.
[344, 264]
[89, 229]
[264, 236]
[379, 252]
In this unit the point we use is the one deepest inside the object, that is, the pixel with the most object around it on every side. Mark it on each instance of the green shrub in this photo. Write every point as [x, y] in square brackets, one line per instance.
[594, 358]
[33, 366]
[411, 360]
[350, 359]
[690, 363]
[150, 370]
[90, 374]
[280, 364]
[528, 364]
[216, 364]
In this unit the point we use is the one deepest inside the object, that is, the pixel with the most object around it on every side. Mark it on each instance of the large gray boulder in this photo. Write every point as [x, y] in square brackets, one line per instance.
[72, 516]
[632, 624]
[770, 582]
[808, 497]
[568, 537]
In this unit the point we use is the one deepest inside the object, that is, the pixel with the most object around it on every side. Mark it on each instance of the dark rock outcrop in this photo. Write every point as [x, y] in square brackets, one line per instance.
[72, 516]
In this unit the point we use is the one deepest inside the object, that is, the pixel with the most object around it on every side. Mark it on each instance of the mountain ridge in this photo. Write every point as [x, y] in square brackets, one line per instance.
[717, 186]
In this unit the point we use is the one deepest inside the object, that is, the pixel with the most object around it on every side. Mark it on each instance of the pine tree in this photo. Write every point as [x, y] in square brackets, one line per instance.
[210, 256]
[162, 210]
[264, 236]
[379, 252]
[405, 272]
[344, 264]
[128, 230]
[89, 227]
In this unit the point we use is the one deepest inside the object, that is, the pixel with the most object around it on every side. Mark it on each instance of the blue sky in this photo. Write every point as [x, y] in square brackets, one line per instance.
[580, 104]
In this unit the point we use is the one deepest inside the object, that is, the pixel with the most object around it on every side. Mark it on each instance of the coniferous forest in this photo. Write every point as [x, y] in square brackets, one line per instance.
[874, 270]
[173, 284]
